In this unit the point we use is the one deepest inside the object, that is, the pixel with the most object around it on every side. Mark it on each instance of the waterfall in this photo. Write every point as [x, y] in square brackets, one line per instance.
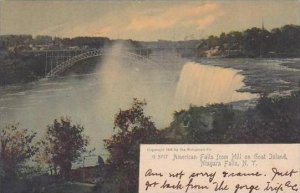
[201, 84]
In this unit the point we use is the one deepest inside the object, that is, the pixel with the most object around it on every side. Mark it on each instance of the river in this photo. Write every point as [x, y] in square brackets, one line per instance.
[93, 100]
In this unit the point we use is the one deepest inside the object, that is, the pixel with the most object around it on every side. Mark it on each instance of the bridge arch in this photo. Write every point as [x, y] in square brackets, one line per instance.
[62, 67]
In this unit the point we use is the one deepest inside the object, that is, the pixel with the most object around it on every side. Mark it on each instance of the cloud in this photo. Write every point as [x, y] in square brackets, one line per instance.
[137, 22]
[88, 29]
[149, 23]
[51, 29]
[196, 16]
[204, 22]
[101, 31]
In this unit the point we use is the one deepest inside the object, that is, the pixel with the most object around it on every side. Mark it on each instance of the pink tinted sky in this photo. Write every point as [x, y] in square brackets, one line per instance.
[143, 20]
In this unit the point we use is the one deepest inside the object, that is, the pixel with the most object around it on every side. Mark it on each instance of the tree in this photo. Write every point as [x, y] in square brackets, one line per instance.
[64, 143]
[16, 147]
[208, 124]
[234, 40]
[133, 128]
[41, 39]
[252, 42]
[212, 41]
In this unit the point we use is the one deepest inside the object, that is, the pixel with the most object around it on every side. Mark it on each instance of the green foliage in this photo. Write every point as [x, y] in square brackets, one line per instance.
[17, 68]
[273, 120]
[13, 40]
[223, 117]
[2, 173]
[203, 124]
[133, 128]
[64, 143]
[257, 42]
[16, 147]
[42, 40]
[92, 42]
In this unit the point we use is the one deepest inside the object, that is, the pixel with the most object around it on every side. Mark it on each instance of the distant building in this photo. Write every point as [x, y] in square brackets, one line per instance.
[213, 52]
[89, 170]
[73, 47]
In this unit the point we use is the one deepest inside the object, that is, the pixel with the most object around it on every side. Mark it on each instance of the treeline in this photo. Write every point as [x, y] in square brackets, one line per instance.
[24, 41]
[19, 66]
[16, 68]
[25, 160]
[7, 41]
[272, 120]
[255, 42]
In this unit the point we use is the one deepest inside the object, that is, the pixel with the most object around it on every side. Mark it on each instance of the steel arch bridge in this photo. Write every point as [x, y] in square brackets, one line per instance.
[65, 65]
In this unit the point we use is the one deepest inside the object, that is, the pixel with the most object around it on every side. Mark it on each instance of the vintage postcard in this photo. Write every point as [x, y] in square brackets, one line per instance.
[128, 96]
[219, 168]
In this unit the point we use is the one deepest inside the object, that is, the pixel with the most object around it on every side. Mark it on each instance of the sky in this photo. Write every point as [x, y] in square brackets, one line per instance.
[143, 20]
